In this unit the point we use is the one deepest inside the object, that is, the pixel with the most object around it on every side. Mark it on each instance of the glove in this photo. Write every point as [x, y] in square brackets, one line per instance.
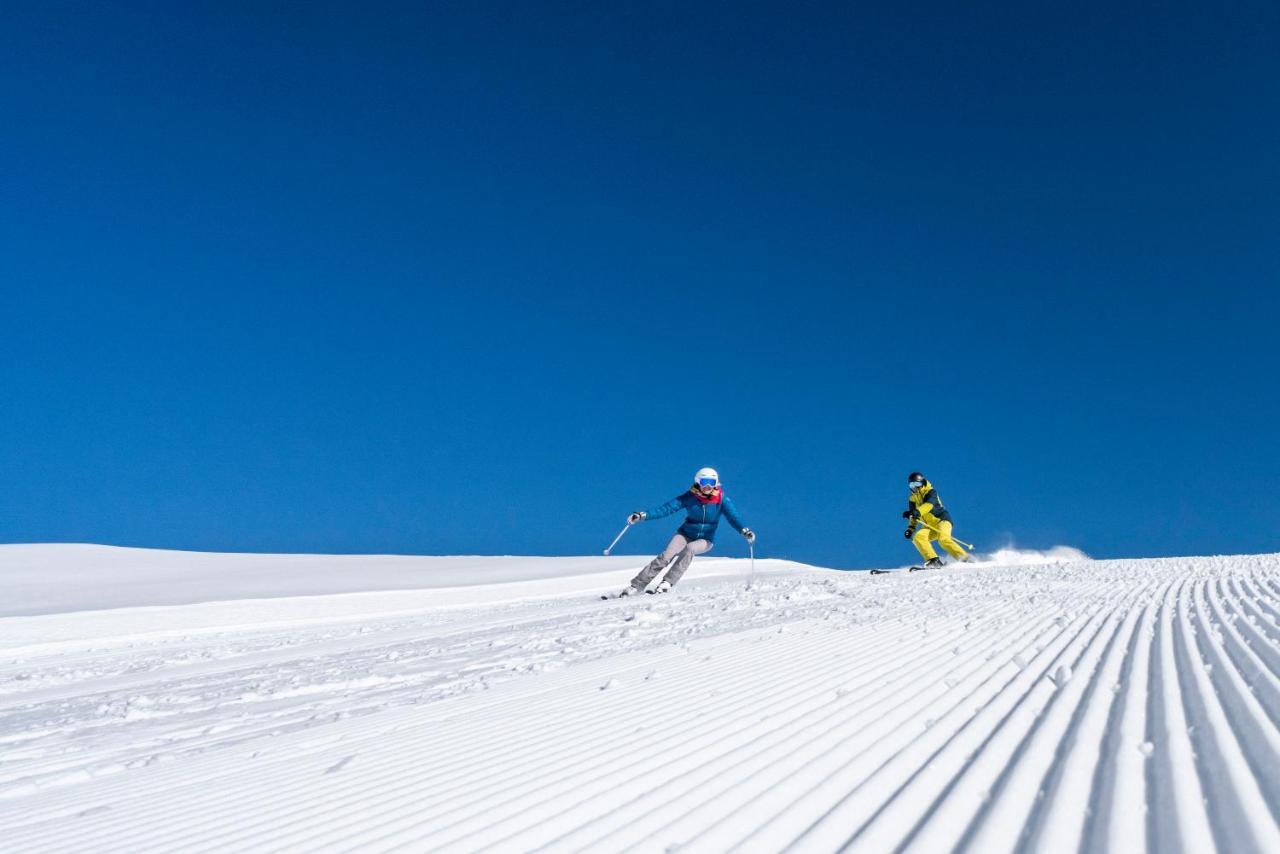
[909, 533]
[749, 534]
[906, 514]
[910, 514]
[636, 517]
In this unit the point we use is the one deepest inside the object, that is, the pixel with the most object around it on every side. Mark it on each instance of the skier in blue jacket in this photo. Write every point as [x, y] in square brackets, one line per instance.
[704, 503]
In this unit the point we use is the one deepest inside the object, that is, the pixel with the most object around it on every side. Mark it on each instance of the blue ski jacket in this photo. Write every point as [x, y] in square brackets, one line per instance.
[703, 514]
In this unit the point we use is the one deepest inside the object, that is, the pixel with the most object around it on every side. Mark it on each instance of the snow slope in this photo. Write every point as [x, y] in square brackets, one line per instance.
[49, 579]
[1091, 705]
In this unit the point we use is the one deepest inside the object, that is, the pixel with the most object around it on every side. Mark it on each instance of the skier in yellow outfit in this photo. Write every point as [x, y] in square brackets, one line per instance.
[924, 509]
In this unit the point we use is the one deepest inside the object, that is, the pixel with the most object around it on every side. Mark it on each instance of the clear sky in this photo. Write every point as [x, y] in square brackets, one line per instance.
[485, 277]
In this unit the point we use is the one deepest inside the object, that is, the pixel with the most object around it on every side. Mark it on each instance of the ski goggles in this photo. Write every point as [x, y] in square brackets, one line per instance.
[707, 483]
[916, 484]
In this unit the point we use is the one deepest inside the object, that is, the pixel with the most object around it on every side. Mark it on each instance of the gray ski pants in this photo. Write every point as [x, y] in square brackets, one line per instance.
[681, 551]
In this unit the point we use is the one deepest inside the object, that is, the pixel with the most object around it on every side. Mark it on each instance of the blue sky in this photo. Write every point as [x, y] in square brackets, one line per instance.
[432, 279]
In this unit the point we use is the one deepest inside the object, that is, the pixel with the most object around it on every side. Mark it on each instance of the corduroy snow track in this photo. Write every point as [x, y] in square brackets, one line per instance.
[1122, 706]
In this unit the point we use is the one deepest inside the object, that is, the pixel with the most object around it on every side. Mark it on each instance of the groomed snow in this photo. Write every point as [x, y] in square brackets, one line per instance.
[463, 704]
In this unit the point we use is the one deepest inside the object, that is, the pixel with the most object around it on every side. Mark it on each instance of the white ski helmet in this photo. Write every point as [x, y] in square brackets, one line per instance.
[706, 474]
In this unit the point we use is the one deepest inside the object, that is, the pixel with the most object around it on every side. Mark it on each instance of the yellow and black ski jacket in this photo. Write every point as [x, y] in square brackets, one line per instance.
[925, 504]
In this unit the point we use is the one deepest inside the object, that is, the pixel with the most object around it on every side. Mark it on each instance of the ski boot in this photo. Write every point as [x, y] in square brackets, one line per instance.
[662, 587]
[626, 591]
[933, 563]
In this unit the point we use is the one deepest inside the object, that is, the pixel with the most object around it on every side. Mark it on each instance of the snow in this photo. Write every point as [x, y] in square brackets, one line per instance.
[166, 701]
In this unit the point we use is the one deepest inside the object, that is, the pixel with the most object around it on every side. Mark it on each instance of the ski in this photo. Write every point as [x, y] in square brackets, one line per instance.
[610, 596]
[909, 569]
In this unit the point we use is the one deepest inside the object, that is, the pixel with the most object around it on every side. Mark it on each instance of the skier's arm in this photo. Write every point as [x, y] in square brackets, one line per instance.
[926, 503]
[731, 513]
[675, 505]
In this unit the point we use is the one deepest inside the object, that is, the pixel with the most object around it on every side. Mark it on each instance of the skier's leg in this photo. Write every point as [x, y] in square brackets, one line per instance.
[659, 563]
[945, 540]
[697, 547]
[921, 542]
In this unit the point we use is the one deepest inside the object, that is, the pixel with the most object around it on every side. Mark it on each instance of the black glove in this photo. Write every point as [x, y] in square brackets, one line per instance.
[909, 533]
[635, 517]
[906, 514]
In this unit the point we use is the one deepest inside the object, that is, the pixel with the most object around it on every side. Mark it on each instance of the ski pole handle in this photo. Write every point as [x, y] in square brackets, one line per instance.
[626, 528]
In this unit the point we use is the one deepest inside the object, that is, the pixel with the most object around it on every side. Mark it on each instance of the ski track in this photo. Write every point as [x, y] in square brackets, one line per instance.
[1120, 706]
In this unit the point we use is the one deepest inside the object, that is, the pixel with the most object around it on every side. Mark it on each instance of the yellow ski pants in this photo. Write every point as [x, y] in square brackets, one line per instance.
[943, 537]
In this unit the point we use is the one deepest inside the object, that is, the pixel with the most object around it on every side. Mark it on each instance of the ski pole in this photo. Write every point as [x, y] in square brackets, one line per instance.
[953, 536]
[626, 528]
[751, 578]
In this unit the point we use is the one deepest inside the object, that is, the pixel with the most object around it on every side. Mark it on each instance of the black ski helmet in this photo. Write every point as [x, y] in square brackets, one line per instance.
[915, 476]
